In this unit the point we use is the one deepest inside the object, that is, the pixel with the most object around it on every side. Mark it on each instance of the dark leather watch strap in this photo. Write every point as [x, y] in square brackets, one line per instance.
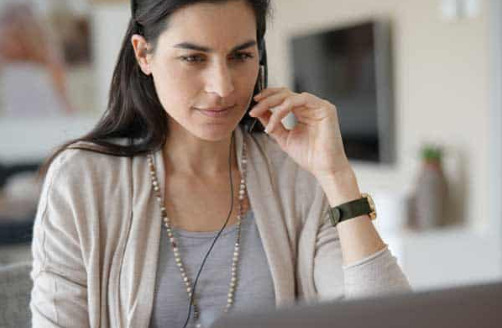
[349, 210]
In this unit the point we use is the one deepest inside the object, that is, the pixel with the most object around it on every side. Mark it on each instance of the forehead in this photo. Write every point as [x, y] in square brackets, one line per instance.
[216, 25]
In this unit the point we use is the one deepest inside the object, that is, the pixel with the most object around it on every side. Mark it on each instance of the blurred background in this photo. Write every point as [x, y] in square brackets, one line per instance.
[417, 84]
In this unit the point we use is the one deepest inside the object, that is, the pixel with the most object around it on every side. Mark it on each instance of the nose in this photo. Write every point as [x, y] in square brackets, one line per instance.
[219, 80]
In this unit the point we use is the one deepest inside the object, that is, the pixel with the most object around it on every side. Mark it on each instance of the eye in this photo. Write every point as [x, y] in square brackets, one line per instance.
[192, 58]
[242, 56]
[197, 59]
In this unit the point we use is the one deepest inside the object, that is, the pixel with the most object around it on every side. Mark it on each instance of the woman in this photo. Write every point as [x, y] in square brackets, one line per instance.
[119, 240]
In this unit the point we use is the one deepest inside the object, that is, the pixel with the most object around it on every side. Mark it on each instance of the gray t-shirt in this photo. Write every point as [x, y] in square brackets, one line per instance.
[254, 289]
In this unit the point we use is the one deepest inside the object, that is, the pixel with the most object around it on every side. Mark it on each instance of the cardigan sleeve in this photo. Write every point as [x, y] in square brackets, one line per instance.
[59, 294]
[377, 274]
[320, 272]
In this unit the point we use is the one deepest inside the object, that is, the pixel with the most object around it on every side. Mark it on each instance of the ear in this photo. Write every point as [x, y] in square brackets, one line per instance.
[140, 46]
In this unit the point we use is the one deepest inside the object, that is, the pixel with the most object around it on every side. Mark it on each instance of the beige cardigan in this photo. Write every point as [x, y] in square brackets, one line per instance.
[97, 232]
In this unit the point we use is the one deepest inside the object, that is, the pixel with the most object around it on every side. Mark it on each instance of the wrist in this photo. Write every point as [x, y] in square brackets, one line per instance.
[340, 187]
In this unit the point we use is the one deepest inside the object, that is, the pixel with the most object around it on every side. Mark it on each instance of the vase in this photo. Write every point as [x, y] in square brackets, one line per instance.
[430, 198]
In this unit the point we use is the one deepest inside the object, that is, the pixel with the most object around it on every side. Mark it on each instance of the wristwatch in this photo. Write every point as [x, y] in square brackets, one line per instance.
[355, 208]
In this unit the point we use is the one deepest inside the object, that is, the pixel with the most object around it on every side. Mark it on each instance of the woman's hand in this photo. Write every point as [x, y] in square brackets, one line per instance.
[315, 143]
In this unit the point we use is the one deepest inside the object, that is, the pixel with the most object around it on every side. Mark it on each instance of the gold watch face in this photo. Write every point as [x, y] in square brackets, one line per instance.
[371, 203]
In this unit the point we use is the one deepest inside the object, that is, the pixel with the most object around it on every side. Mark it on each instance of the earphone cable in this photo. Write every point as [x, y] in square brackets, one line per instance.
[217, 235]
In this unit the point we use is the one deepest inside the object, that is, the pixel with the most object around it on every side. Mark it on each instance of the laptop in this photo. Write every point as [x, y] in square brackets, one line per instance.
[461, 307]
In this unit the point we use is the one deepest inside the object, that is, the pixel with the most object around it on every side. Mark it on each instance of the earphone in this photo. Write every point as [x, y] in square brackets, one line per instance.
[262, 78]
[260, 87]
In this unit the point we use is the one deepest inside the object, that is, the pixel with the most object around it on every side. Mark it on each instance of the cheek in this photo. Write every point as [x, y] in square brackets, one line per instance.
[251, 80]
[246, 80]
[244, 87]
[174, 88]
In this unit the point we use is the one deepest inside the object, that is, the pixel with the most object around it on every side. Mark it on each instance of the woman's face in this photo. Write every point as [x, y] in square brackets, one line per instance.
[206, 59]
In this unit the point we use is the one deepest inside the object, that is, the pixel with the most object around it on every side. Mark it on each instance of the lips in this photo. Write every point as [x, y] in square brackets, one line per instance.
[216, 111]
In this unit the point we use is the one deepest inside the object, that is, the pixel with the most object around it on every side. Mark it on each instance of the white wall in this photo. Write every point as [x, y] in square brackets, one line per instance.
[441, 87]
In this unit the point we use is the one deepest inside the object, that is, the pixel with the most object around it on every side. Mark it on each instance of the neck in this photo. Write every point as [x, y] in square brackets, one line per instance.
[188, 155]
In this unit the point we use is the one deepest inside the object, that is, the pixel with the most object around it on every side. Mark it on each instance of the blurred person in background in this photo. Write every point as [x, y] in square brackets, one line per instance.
[131, 211]
[32, 72]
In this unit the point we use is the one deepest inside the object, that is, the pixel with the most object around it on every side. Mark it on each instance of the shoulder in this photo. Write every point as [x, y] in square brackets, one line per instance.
[82, 163]
[81, 187]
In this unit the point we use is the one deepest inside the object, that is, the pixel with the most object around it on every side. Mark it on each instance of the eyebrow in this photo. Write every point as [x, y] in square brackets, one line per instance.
[192, 46]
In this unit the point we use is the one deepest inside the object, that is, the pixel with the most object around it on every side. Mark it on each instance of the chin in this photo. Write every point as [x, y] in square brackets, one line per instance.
[215, 133]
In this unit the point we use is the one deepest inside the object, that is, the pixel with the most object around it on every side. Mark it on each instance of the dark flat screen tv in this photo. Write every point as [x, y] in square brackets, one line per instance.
[352, 68]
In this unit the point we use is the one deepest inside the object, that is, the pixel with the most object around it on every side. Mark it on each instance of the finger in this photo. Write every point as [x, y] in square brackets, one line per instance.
[265, 118]
[280, 134]
[268, 102]
[281, 111]
[295, 103]
[267, 92]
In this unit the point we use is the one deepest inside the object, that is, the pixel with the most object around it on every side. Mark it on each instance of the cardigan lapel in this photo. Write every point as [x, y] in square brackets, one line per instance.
[263, 198]
[140, 314]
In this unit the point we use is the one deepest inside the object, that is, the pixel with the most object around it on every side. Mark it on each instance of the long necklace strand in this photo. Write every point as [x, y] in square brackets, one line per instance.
[174, 244]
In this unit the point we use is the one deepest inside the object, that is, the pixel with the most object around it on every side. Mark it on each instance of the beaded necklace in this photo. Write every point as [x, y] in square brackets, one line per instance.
[174, 244]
